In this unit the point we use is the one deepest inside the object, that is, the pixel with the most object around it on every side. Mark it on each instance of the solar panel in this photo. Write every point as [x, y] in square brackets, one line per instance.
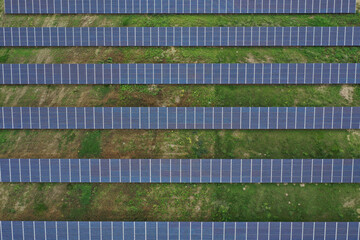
[181, 170]
[180, 118]
[14, 230]
[181, 36]
[178, 6]
[316, 73]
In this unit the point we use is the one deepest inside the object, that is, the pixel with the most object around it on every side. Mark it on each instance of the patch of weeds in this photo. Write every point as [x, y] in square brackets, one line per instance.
[40, 207]
[85, 191]
[54, 87]
[90, 145]
[199, 149]
[11, 210]
[107, 61]
[102, 91]
[3, 136]
[357, 92]
[26, 54]
[77, 201]
[203, 96]
[17, 188]
[4, 140]
[126, 21]
[70, 137]
[41, 186]
[4, 56]
[137, 88]
[226, 145]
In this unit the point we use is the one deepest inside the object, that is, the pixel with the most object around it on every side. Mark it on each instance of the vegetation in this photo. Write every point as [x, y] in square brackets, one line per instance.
[181, 202]
[182, 144]
[90, 145]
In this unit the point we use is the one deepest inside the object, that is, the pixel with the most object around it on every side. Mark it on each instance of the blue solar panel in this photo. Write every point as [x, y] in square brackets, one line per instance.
[181, 36]
[180, 118]
[181, 170]
[16, 230]
[178, 6]
[316, 73]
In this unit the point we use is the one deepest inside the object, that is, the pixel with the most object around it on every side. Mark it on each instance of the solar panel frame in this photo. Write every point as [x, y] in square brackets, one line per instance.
[180, 36]
[179, 7]
[265, 73]
[13, 230]
[180, 118]
[180, 170]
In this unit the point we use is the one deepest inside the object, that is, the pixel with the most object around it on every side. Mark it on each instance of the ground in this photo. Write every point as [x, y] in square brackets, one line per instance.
[181, 202]
[185, 202]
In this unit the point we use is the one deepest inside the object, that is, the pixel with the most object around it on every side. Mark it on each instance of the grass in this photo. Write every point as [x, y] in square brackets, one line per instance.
[90, 145]
[181, 144]
[270, 202]
[182, 202]
[39, 208]
[191, 96]
[77, 201]
[181, 55]
[286, 144]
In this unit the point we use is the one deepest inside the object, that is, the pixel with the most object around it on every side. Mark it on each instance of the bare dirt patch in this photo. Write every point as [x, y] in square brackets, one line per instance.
[171, 53]
[172, 146]
[251, 59]
[355, 133]
[4, 194]
[53, 98]
[129, 144]
[347, 92]
[50, 20]
[90, 96]
[23, 198]
[354, 136]
[109, 201]
[44, 55]
[88, 55]
[13, 95]
[349, 203]
[19, 200]
[53, 198]
[87, 20]
[269, 59]
[301, 92]
[322, 88]
[238, 134]
[194, 202]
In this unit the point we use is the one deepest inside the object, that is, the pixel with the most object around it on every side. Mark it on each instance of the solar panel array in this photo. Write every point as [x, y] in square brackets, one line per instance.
[318, 73]
[41, 230]
[178, 6]
[181, 36]
[181, 170]
[180, 118]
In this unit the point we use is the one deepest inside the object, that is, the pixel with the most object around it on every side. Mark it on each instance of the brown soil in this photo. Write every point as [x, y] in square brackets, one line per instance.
[41, 144]
[347, 92]
[86, 96]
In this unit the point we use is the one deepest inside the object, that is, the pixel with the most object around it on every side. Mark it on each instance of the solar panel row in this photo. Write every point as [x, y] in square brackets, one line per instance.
[181, 170]
[180, 118]
[178, 6]
[41, 230]
[318, 73]
[180, 36]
